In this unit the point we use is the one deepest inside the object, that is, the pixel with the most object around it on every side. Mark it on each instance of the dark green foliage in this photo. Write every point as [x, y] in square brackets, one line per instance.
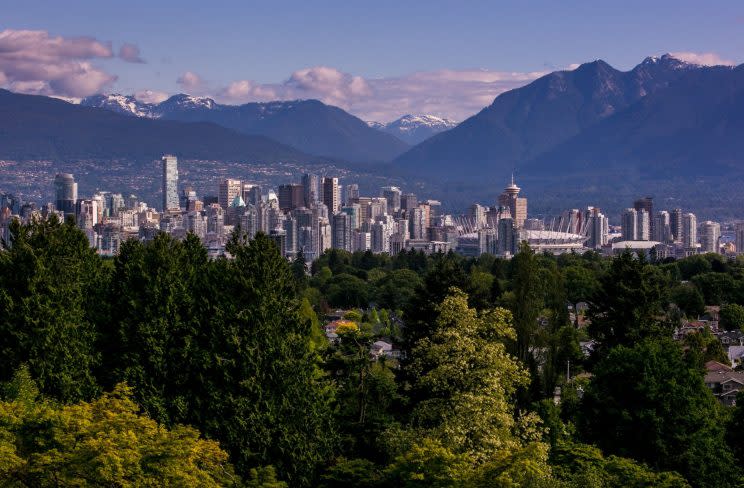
[689, 299]
[397, 289]
[223, 345]
[51, 295]
[263, 396]
[366, 393]
[648, 403]
[347, 291]
[528, 301]
[717, 288]
[629, 304]
[158, 296]
[731, 317]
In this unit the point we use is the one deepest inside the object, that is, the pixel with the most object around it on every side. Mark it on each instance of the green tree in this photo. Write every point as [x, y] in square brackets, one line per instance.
[262, 393]
[648, 403]
[430, 464]
[731, 317]
[101, 443]
[157, 313]
[366, 392]
[51, 296]
[465, 381]
[359, 473]
[628, 306]
[346, 290]
[689, 299]
[717, 288]
[581, 465]
[299, 270]
[581, 284]
[397, 289]
[528, 301]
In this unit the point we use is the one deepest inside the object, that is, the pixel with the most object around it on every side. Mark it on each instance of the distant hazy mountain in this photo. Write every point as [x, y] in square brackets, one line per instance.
[308, 125]
[36, 127]
[524, 123]
[414, 129]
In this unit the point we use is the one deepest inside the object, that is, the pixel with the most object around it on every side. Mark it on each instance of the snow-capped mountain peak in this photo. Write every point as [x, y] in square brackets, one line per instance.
[413, 122]
[189, 102]
[123, 104]
[415, 128]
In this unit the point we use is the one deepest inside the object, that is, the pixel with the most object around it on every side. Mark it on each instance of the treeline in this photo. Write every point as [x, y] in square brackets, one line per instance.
[170, 341]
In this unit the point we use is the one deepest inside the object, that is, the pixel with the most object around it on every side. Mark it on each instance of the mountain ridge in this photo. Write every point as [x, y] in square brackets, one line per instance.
[308, 125]
[414, 129]
[522, 123]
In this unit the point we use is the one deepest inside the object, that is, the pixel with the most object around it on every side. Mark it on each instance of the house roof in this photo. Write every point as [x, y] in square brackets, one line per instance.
[712, 366]
[721, 377]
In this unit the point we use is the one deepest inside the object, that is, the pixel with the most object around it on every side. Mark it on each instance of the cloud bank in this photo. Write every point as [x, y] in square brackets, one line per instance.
[455, 94]
[36, 62]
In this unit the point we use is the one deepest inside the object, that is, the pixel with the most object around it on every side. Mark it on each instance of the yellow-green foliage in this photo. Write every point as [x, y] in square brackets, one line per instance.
[102, 443]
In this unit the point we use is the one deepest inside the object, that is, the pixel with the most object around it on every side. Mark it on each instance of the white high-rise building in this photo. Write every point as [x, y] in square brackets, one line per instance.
[643, 226]
[710, 236]
[597, 229]
[170, 183]
[630, 224]
[689, 231]
[662, 227]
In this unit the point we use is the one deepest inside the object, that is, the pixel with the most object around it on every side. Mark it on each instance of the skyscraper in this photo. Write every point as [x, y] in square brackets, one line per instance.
[647, 204]
[291, 196]
[408, 201]
[393, 196]
[662, 227]
[739, 235]
[341, 229]
[65, 193]
[331, 194]
[310, 189]
[710, 236]
[352, 194]
[629, 225]
[597, 229]
[643, 225]
[170, 183]
[689, 231]
[675, 224]
[229, 189]
[517, 205]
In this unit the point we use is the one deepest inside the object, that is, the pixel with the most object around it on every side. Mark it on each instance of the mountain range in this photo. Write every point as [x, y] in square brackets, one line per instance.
[583, 136]
[415, 129]
[307, 125]
[528, 122]
[40, 128]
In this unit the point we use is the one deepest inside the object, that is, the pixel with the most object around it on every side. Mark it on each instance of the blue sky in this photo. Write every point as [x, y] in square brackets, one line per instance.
[246, 51]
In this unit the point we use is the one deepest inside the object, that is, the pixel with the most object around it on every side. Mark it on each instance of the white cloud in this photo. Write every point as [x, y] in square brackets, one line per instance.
[151, 96]
[191, 83]
[704, 59]
[130, 53]
[455, 94]
[35, 62]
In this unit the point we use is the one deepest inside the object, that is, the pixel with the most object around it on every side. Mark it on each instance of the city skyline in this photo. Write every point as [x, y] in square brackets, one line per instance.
[315, 214]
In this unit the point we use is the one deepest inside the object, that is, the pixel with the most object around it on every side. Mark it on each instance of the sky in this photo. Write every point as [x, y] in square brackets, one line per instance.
[381, 61]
